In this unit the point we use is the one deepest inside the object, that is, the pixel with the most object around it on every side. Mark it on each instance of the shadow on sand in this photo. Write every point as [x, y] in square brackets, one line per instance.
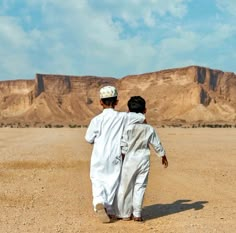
[160, 210]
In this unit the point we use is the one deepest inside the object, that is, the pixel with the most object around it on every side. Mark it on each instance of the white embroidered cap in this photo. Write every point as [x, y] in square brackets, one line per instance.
[108, 92]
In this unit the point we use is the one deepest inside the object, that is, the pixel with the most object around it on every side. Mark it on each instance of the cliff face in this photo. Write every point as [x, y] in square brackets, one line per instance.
[189, 94]
[15, 97]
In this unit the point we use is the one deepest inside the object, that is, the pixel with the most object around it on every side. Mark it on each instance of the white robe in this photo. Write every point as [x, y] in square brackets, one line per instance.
[135, 170]
[105, 131]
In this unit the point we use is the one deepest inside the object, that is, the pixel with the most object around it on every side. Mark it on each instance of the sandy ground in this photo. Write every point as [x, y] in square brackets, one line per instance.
[45, 186]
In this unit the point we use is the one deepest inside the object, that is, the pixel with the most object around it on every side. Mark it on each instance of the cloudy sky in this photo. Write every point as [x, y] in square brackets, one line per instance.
[114, 38]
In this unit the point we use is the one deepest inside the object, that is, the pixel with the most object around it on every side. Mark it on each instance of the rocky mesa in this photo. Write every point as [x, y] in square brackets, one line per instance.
[189, 95]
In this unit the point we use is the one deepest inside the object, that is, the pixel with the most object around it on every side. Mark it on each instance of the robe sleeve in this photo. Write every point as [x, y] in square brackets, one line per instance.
[135, 118]
[156, 144]
[91, 132]
[124, 143]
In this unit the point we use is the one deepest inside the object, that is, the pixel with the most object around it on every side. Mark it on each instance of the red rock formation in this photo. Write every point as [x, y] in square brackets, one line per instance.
[191, 94]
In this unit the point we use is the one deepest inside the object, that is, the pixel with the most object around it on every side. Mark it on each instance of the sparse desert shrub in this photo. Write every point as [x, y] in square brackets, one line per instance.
[226, 126]
[58, 126]
[176, 125]
[72, 126]
[209, 126]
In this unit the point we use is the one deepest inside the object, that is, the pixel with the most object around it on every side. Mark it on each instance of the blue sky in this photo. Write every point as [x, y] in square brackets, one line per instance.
[114, 38]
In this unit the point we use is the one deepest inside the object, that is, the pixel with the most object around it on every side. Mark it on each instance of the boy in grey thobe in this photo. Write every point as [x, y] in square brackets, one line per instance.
[135, 170]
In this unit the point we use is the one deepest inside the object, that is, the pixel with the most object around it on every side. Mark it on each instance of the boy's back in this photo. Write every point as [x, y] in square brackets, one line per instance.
[105, 131]
[136, 140]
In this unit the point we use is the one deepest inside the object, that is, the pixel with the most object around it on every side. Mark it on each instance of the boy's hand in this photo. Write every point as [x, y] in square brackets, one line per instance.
[164, 161]
[122, 156]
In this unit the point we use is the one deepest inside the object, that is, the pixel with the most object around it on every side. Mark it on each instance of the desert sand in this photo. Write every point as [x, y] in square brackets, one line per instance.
[45, 185]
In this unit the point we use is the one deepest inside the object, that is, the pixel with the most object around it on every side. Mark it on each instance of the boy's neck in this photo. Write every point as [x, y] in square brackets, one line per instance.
[106, 107]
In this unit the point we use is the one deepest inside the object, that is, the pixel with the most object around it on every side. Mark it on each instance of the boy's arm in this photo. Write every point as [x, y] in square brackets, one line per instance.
[157, 146]
[135, 117]
[124, 144]
[91, 133]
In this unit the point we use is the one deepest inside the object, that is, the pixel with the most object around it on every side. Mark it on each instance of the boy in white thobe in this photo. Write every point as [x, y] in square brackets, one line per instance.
[135, 170]
[105, 131]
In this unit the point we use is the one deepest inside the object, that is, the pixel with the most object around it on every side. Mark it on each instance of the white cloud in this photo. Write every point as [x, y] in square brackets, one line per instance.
[104, 38]
[11, 33]
[227, 5]
[77, 38]
[5, 5]
[14, 44]
[219, 34]
[176, 50]
[134, 12]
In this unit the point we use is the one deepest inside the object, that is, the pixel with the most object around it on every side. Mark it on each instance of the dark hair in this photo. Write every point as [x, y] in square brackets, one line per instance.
[136, 104]
[109, 101]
